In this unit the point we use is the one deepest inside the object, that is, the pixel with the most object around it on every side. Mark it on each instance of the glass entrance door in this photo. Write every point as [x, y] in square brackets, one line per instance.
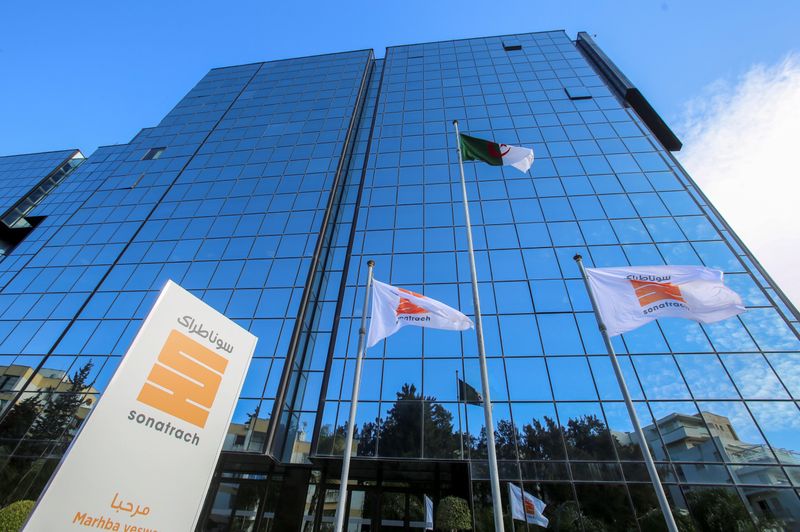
[371, 509]
[416, 512]
[359, 513]
[243, 505]
[393, 510]
[235, 507]
[402, 510]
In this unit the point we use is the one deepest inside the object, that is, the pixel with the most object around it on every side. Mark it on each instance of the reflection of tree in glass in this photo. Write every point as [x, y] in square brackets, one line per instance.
[586, 438]
[542, 442]
[654, 520]
[393, 506]
[567, 517]
[36, 428]
[721, 509]
[248, 497]
[20, 418]
[600, 506]
[400, 433]
[59, 409]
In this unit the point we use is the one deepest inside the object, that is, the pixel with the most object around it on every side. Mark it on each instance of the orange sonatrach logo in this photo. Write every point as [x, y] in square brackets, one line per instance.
[184, 380]
[530, 508]
[650, 292]
[407, 307]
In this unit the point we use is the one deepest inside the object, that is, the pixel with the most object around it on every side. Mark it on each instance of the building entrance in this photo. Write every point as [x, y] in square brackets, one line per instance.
[244, 504]
[373, 508]
[383, 496]
[389, 495]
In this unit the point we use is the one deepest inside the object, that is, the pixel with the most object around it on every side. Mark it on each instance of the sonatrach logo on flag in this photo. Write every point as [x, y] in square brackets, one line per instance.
[526, 507]
[406, 310]
[393, 308]
[629, 297]
[650, 291]
[530, 508]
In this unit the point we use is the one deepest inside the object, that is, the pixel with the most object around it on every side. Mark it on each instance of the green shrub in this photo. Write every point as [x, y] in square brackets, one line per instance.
[13, 516]
[453, 514]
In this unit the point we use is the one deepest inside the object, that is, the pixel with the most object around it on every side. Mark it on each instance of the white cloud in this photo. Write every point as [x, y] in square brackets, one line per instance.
[741, 145]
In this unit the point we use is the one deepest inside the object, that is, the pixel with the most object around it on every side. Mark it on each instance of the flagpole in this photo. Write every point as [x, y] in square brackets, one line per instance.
[648, 459]
[348, 442]
[249, 434]
[460, 430]
[494, 476]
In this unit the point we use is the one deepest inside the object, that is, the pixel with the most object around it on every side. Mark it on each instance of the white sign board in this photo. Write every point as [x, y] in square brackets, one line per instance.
[144, 458]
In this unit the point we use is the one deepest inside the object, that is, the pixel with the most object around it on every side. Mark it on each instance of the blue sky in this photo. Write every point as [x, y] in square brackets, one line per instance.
[83, 74]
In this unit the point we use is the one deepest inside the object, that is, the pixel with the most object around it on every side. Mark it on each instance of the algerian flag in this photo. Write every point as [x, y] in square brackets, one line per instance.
[468, 394]
[630, 297]
[394, 308]
[474, 149]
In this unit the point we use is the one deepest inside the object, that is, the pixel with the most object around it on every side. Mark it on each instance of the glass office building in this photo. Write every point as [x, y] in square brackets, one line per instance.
[269, 186]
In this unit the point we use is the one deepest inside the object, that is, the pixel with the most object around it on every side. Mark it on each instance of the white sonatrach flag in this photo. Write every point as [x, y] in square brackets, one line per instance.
[393, 308]
[630, 297]
[428, 513]
[526, 507]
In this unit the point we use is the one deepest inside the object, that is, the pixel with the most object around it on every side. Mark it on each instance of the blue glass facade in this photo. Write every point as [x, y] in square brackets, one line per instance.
[275, 183]
[19, 174]
[25, 180]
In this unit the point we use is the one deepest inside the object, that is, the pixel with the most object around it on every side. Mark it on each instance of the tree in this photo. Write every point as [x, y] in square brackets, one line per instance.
[453, 513]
